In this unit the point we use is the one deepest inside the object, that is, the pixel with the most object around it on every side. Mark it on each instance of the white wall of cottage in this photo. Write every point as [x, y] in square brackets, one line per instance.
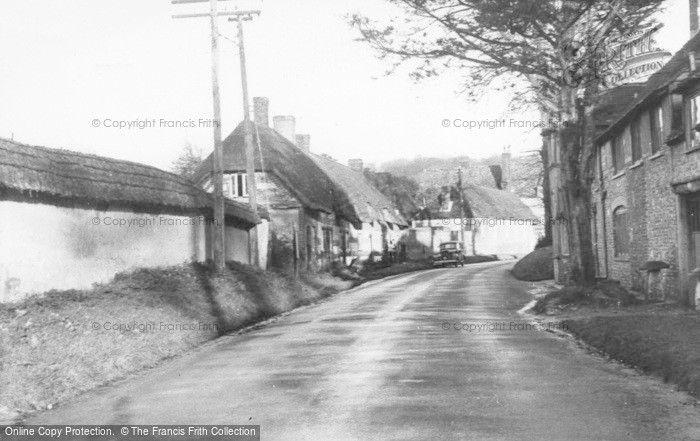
[44, 247]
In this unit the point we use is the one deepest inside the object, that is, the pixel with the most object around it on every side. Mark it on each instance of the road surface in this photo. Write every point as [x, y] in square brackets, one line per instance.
[396, 360]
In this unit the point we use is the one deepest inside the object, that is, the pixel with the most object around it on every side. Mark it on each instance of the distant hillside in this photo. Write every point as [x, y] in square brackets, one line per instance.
[432, 173]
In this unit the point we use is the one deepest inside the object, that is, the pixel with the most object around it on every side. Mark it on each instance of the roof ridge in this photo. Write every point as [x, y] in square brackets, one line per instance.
[87, 155]
[174, 176]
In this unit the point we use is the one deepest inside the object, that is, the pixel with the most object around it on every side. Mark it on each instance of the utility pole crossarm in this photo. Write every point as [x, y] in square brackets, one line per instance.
[182, 2]
[219, 14]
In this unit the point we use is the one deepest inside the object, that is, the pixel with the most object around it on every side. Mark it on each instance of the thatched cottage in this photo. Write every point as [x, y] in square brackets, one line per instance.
[487, 219]
[335, 214]
[68, 219]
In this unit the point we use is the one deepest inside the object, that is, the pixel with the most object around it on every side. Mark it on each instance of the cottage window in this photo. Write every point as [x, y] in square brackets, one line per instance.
[309, 243]
[618, 154]
[676, 119]
[621, 234]
[695, 121]
[657, 128]
[240, 185]
[636, 140]
[327, 241]
[676, 111]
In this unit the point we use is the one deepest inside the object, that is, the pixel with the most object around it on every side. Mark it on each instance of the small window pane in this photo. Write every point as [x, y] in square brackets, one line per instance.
[695, 121]
[657, 129]
[636, 141]
[621, 232]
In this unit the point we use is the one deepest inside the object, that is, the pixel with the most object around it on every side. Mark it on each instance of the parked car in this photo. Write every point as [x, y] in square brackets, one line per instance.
[451, 253]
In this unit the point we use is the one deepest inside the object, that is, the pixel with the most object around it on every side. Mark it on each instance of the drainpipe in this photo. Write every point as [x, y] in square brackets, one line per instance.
[603, 197]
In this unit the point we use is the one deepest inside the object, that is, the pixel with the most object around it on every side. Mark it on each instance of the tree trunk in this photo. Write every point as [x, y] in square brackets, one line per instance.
[546, 197]
[576, 188]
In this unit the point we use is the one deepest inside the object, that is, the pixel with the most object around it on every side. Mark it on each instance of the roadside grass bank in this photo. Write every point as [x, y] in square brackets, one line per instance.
[667, 345]
[536, 266]
[379, 270]
[656, 338]
[602, 295]
[56, 346]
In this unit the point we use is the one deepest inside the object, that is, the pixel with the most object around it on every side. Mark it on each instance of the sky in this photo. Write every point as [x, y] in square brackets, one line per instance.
[72, 70]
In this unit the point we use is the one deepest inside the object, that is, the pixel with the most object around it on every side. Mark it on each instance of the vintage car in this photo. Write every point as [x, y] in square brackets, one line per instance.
[451, 253]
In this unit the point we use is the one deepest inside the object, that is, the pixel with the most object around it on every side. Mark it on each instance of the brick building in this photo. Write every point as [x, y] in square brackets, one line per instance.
[646, 195]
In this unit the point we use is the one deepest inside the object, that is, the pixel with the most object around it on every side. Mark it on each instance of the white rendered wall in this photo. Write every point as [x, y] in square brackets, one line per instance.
[44, 247]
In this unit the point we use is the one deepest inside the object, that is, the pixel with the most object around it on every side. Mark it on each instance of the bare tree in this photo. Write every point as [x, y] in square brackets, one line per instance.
[551, 51]
[188, 160]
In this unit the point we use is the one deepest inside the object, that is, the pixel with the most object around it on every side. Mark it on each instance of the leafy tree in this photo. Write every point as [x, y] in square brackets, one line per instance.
[552, 52]
[188, 161]
[401, 190]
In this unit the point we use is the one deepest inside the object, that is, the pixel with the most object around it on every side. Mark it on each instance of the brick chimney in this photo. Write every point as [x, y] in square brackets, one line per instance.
[693, 4]
[505, 170]
[286, 126]
[304, 142]
[261, 108]
[356, 164]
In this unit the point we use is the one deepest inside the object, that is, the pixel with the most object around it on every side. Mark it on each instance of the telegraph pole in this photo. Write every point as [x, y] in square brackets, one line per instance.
[248, 133]
[461, 207]
[219, 239]
[249, 147]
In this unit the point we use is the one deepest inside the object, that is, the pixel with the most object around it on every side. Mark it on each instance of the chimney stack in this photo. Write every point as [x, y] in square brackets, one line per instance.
[356, 164]
[693, 16]
[286, 126]
[261, 108]
[505, 170]
[304, 142]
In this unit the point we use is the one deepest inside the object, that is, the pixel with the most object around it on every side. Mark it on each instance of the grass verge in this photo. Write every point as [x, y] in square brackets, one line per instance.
[375, 271]
[657, 338]
[602, 295]
[667, 345]
[536, 266]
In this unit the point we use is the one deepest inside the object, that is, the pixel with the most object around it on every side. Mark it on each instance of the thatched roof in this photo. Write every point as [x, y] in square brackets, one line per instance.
[367, 202]
[63, 177]
[484, 202]
[316, 183]
[475, 174]
[655, 86]
[479, 202]
[297, 172]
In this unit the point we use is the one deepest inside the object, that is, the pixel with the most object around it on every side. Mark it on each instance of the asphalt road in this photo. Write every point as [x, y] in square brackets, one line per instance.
[396, 360]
